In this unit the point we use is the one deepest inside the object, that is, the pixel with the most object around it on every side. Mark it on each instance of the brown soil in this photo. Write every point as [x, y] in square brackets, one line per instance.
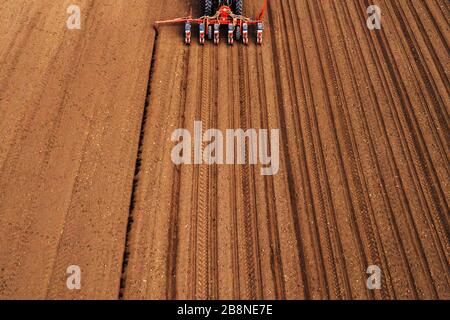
[86, 176]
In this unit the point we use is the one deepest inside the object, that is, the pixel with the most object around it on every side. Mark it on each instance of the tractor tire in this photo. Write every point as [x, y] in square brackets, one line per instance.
[208, 7]
[239, 7]
[210, 32]
[238, 33]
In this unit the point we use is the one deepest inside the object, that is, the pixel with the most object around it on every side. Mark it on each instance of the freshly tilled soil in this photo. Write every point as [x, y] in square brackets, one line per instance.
[86, 176]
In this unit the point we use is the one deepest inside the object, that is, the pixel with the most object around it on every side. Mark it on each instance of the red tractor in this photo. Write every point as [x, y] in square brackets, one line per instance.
[218, 13]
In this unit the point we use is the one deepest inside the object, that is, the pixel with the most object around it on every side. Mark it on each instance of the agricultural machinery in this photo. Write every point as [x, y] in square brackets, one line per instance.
[218, 13]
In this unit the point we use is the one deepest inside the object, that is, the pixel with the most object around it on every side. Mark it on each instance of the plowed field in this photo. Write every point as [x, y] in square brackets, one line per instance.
[87, 179]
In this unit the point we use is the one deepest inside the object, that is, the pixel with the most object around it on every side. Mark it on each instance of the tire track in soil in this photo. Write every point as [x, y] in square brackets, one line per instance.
[234, 81]
[248, 210]
[272, 223]
[202, 191]
[206, 253]
[212, 186]
[202, 194]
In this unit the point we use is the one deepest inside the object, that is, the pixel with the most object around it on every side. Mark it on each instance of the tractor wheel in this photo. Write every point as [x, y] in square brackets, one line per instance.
[210, 32]
[208, 7]
[238, 33]
[239, 7]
